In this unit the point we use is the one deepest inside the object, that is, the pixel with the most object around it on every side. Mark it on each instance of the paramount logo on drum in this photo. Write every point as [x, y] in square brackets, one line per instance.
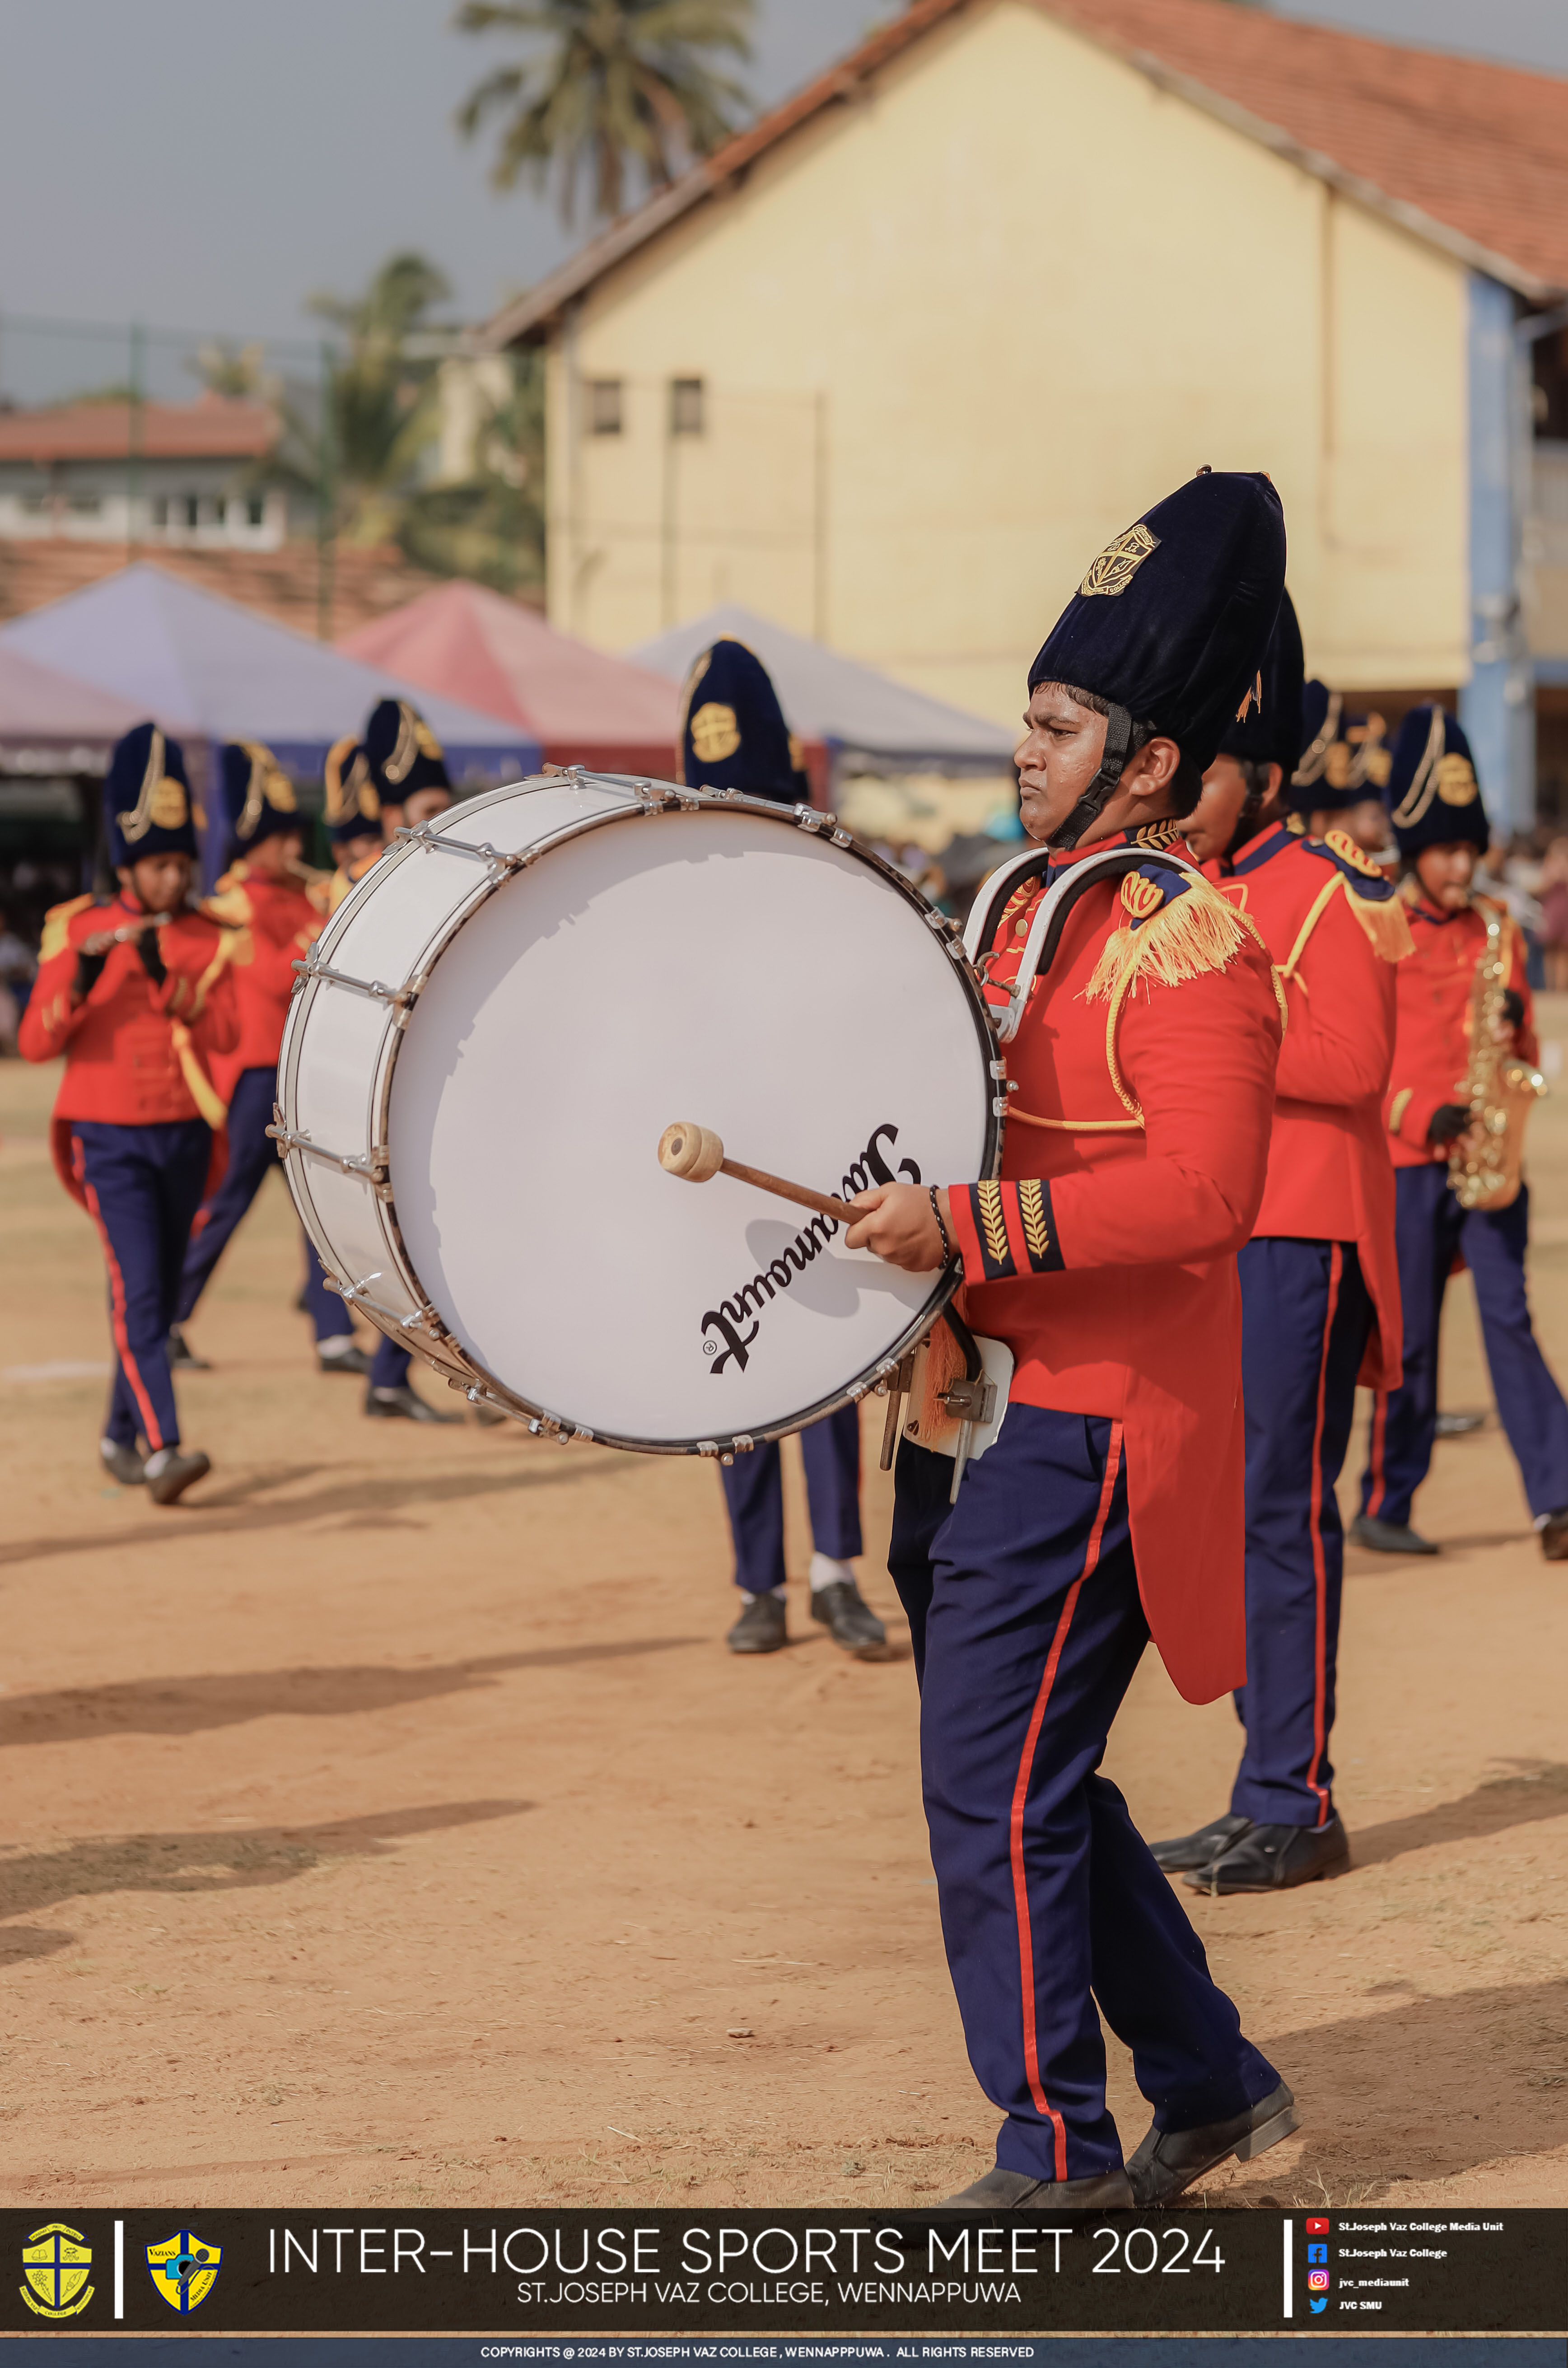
[723, 1336]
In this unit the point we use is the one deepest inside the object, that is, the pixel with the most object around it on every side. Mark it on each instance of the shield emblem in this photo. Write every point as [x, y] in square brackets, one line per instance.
[57, 2261]
[184, 2269]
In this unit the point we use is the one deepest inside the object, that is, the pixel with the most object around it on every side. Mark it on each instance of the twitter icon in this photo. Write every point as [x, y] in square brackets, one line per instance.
[1319, 2301]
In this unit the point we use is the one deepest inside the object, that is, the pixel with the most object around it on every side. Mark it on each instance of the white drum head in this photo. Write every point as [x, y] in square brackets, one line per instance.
[720, 966]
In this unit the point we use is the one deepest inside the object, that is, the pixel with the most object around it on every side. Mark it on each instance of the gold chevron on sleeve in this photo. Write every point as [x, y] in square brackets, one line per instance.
[1032, 1204]
[992, 1219]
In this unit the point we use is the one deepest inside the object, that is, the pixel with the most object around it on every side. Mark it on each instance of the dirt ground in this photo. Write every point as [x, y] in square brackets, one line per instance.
[388, 1824]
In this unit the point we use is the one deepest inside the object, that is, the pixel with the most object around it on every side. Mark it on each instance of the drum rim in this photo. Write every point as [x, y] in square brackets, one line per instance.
[426, 1332]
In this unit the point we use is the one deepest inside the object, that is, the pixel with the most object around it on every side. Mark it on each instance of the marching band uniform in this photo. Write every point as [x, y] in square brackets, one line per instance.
[1110, 1503]
[399, 759]
[135, 1116]
[1436, 803]
[1320, 1298]
[734, 736]
[279, 914]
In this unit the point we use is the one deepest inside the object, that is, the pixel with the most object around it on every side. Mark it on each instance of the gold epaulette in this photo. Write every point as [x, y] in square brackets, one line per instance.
[57, 927]
[227, 905]
[1386, 925]
[1193, 932]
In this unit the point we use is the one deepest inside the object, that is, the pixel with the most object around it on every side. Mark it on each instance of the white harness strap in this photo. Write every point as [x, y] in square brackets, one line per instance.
[1088, 867]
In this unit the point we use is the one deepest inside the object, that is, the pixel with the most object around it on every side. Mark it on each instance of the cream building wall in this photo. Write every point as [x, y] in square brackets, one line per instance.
[956, 333]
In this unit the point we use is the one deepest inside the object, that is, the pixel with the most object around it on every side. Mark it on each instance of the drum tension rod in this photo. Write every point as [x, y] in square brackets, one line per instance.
[400, 997]
[371, 1166]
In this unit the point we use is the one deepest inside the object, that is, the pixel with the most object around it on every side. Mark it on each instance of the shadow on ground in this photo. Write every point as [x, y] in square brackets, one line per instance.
[374, 1495]
[211, 1862]
[191, 1705]
[1536, 1789]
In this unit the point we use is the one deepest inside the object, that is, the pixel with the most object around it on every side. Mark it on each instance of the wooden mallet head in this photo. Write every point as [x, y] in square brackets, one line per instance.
[690, 1151]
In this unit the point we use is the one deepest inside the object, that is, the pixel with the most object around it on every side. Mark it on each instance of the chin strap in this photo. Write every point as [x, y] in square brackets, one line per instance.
[1103, 788]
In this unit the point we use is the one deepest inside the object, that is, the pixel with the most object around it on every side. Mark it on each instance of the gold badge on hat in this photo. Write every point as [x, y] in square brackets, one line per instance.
[161, 804]
[1457, 784]
[715, 734]
[1117, 564]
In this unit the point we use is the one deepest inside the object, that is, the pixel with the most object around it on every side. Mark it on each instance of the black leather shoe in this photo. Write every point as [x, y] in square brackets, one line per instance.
[1202, 1847]
[351, 1359]
[1389, 1537]
[182, 1355]
[761, 1627]
[1554, 1536]
[121, 1463]
[171, 1472]
[1011, 2190]
[849, 1619]
[1169, 2161]
[403, 1405]
[1275, 1858]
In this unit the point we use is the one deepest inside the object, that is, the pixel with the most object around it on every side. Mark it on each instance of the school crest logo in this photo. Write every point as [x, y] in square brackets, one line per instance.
[57, 2261]
[1117, 564]
[185, 2270]
[715, 734]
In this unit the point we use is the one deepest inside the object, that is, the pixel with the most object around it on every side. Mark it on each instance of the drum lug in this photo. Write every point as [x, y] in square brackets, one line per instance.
[435, 842]
[743, 1443]
[372, 1167]
[809, 819]
[400, 997]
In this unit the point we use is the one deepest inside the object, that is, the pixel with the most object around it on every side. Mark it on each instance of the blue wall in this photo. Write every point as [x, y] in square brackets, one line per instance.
[1497, 705]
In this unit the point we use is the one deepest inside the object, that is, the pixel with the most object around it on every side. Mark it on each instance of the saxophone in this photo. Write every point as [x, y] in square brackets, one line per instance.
[1499, 1088]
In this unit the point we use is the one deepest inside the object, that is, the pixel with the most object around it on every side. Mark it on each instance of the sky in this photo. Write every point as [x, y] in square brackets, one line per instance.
[204, 165]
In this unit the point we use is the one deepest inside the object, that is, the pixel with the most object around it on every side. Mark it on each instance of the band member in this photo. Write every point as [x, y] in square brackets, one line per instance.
[1320, 1282]
[396, 777]
[269, 895]
[353, 817]
[734, 736]
[1344, 772]
[1442, 827]
[138, 995]
[1110, 1502]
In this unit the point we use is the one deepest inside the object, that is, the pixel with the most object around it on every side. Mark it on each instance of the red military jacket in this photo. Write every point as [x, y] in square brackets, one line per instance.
[1136, 1148]
[1431, 1055]
[279, 919]
[137, 1052]
[1337, 933]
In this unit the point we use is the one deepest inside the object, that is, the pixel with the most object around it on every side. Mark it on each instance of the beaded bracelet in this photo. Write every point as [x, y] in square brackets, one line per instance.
[937, 1212]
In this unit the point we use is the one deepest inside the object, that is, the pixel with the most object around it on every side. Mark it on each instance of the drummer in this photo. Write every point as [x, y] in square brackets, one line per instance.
[1110, 1503]
[734, 736]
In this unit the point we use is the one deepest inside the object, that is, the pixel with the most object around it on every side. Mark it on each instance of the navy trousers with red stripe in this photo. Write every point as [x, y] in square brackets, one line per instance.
[1432, 1229]
[1306, 1313]
[144, 1186]
[1027, 1626]
[252, 1159]
[753, 1493]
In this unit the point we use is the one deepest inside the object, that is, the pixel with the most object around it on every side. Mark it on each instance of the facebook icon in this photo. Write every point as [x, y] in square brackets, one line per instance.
[1317, 2252]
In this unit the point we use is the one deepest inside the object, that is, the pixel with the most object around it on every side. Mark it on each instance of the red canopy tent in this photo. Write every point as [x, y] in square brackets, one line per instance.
[583, 706]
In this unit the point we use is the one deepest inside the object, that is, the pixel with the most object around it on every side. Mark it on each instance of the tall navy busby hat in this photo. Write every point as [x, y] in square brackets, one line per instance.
[1432, 786]
[1171, 623]
[1270, 731]
[148, 808]
[733, 732]
[403, 753]
[258, 796]
[1344, 758]
[353, 805]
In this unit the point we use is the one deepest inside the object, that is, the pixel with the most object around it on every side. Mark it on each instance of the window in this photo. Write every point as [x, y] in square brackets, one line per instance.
[192, 510]
[603, 406]
[161, 511]
[255, 509]
[686, 406]
[85, 504]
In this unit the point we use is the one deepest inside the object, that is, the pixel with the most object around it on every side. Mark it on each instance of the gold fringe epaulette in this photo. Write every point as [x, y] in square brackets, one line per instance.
[1385, 923]
[227, 905]
[1196, 931]
[57, 927]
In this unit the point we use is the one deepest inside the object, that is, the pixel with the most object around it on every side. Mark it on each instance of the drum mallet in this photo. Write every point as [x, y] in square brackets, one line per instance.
[697, 1154]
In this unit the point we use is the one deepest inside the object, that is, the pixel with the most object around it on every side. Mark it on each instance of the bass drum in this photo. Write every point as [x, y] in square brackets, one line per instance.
[498, 1023]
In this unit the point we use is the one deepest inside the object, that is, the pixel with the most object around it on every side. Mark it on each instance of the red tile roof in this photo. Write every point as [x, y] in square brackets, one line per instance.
[215, 428]
[1470, 155]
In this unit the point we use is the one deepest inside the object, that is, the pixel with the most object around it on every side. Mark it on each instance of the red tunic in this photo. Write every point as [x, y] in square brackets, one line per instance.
[280, 920]
[1135, 1164]
[1431, 1056]
[1337, 939]
[137, 1052]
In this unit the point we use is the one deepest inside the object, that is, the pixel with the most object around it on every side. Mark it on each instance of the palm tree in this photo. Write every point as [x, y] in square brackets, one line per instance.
[382, 402]
[612, 83]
